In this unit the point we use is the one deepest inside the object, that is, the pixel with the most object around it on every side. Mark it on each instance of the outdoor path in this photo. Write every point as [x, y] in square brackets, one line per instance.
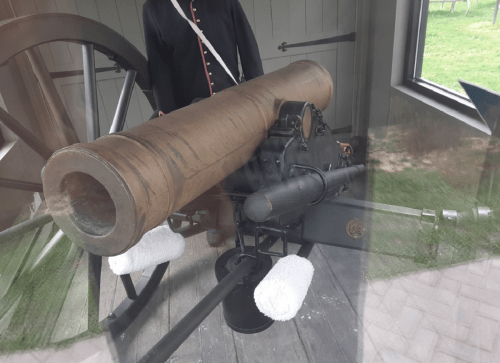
[448, 315]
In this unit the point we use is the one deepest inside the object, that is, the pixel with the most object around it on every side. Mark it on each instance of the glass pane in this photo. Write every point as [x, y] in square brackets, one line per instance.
[461, 45]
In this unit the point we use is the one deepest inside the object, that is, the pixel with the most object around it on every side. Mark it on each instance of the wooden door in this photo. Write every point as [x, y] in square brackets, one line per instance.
[296, 21]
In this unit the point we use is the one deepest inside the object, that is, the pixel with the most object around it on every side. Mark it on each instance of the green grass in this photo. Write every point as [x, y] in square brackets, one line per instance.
[462, 47]
[400, 246]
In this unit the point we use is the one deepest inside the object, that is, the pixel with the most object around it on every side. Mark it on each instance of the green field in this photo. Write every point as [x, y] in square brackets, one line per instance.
[459, 46]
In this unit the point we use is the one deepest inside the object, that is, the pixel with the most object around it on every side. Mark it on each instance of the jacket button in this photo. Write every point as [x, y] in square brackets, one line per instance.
[194, 9]
[209, 73]
[197, 20]
[208, 63]
[212, 83]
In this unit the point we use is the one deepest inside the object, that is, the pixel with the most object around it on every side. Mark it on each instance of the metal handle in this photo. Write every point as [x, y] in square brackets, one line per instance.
[351, 37]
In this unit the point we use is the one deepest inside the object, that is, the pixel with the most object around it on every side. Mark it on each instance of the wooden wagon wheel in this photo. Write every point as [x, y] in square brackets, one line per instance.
[24, 33]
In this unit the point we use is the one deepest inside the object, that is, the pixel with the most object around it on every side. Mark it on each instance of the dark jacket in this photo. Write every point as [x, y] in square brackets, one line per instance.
[179, 68]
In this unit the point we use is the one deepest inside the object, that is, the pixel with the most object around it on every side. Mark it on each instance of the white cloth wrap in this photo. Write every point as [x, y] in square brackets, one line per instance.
[156, 246]
[281, 293]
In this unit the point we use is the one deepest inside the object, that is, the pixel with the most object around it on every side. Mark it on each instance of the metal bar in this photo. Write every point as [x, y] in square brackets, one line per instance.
[410, 212]
[181, 331]
[92, 120]
[129, 286]
[23, 133]
[422, 30]
[496, 12]
[123, 102]
[25, 227]
[128, 310]
[94, 278]
[21, 185]
[305, 249]
[65, 74]
[91, 112]
[342, 130]
[351, 37]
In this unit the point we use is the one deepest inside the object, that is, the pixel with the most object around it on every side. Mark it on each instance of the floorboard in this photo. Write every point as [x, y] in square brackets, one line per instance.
[313, 336]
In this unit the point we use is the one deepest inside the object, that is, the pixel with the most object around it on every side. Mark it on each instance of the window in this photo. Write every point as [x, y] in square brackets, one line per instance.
[445, 46]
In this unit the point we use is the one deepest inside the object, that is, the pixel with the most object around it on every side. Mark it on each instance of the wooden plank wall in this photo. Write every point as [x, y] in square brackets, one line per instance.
[273, 22]
[294, 21]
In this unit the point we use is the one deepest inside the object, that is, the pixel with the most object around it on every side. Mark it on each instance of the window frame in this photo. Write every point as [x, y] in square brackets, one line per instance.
[415, 44]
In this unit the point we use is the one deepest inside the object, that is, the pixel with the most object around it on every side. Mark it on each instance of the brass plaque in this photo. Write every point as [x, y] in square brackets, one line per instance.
[355, 228]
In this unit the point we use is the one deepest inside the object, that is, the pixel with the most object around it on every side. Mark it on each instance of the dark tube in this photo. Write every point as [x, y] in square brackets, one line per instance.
[183, 329]
[129, 286]
[305, 249]
[296, 192]
[179, 333]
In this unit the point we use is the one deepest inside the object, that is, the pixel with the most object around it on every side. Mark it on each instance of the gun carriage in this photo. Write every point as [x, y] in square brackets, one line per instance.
[283, 173]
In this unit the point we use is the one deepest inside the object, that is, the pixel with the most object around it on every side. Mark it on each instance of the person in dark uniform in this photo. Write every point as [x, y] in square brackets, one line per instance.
[181, 67]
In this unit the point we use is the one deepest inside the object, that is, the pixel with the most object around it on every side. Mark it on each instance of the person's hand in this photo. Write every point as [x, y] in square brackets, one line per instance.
[160, 113]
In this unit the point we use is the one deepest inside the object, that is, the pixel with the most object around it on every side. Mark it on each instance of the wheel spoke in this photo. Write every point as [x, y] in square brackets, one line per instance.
[62, 123]
[123, 102]
[20, 185]
[25, 135]
[91, 110]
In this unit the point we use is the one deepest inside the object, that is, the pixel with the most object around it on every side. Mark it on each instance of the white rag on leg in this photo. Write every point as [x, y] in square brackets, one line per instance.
[281, 293]
[156, 246]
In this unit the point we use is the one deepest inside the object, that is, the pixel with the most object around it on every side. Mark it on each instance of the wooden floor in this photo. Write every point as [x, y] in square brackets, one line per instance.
[326, 329]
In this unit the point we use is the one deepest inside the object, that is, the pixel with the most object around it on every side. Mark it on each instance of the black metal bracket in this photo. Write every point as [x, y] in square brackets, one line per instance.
[351, 37]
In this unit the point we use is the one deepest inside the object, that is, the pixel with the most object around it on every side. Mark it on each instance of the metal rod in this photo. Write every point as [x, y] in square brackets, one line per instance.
[91, 106]
[351, 37]
[65, 74]
[123, 102]
[342, 130]
[128, 310]
[21, 185]
[25, 135]
[129, 286]
[496, 12]
[94, 292]
[25, 226]
[181, 331]
[305, 249]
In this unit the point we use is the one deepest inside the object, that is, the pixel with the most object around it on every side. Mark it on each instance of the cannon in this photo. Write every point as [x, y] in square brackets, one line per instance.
[283, 174]
[265, 138]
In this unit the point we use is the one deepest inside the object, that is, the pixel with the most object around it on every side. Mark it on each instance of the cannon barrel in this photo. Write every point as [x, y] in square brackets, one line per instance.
[105, 195]
[295, 193]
